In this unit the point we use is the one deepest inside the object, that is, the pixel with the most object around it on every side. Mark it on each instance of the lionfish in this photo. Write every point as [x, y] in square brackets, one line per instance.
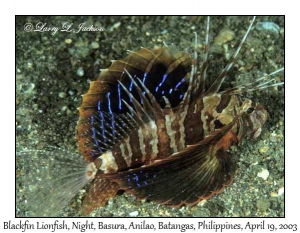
[151, 125]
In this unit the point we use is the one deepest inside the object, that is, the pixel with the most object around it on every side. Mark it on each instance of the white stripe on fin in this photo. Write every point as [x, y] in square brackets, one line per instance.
[168, 120]
[108, 162]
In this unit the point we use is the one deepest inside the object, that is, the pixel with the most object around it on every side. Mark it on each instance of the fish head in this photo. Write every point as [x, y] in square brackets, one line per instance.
[254, 119]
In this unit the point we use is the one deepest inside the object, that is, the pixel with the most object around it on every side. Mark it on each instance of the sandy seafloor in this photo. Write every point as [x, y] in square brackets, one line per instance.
[50, 82]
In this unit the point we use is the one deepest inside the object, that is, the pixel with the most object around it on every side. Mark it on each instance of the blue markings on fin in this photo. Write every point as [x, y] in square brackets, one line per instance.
[170, 91]
[111, 114]
[139, 179]
[104, 128]
[101, 121]
[136, 177]
[163, 80]
[119, 97]
[108, 103]
[130, 86]
[92, 120]
[178, 84]
[144, 78]
[161, 83]
[130, 89]
[94, 135]
[99, 108]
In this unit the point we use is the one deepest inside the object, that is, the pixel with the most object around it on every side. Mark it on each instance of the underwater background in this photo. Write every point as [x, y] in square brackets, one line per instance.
[53, 70]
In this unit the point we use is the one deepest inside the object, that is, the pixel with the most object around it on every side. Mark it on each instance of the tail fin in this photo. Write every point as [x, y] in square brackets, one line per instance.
[50, 179]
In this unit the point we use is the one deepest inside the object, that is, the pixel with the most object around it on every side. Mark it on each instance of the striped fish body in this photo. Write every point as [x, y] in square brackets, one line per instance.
[149, 126]
[168, 129]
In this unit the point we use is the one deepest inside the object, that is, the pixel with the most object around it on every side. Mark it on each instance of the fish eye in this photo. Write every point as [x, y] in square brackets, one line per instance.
[250, 110]
[218, 124]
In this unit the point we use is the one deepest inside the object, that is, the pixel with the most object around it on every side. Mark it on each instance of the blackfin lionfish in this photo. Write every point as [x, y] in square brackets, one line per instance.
[153, 125]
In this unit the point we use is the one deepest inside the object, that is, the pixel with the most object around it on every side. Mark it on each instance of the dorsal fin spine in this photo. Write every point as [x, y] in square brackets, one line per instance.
[214, 88]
